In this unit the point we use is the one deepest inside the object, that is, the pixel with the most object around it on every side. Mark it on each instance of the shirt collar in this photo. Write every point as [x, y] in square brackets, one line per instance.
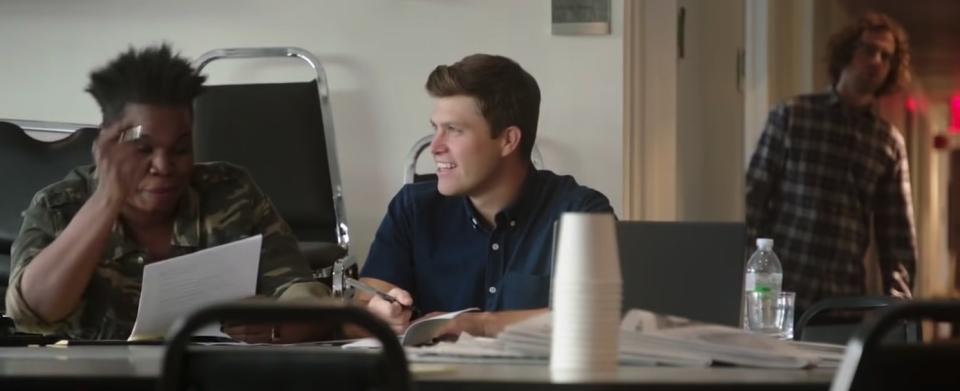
[516, 212]
[833, 99]
[519, 210]
[120, 243]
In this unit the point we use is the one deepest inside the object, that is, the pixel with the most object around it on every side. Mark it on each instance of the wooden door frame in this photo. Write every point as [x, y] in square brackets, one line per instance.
[650, 107]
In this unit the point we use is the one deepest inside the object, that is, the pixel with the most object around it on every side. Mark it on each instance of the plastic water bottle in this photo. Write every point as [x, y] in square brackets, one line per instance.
[765, 275]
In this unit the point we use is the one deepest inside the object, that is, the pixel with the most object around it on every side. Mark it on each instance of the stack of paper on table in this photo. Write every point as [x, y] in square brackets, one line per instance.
[533, 337]
[722, 344]
[470, 349]
[830, 355]
[177, 286]
[645, 339]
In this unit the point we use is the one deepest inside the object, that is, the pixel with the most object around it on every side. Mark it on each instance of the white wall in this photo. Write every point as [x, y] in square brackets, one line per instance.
[377, 54]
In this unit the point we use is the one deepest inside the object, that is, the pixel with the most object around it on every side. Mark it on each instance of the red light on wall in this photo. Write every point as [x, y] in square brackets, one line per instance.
[955, 114]
[912, 105]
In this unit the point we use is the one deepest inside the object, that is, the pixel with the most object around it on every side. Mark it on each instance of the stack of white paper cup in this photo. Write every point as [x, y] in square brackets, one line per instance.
[587, 291]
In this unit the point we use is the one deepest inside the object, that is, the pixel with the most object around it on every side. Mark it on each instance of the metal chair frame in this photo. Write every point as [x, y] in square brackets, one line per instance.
[339, 208]
[863, 348]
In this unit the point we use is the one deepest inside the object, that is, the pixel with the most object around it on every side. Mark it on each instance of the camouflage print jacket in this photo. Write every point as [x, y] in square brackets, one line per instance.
[221, 205]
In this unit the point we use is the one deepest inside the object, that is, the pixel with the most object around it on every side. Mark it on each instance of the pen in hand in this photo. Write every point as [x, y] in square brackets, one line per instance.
[356, 284]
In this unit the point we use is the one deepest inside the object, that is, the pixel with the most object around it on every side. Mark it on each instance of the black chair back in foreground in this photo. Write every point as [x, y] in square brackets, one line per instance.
[872, 362]
[28, 165]
[240, 368]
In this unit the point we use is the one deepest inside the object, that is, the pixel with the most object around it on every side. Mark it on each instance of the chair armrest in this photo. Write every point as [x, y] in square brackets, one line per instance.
[840, 303]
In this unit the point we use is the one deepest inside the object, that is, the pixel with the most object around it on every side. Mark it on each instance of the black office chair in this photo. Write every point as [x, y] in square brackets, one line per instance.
[283, 134]
[872, 363]
[28, 165]
[282, 367]
[820, 323]
[410, 170]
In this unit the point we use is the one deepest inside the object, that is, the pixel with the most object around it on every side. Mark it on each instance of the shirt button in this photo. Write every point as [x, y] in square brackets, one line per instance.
[513, 223]
[492, 290]
[495, 247]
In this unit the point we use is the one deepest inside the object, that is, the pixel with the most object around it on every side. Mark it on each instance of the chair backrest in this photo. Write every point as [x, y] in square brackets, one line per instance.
[282, 367]
[689, 269]
[282, 133]
[871, 362]
[820, 322]
[410, 167]
[28, 165]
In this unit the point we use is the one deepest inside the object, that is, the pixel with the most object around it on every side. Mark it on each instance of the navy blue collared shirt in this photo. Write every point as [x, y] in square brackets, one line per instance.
[437, 248]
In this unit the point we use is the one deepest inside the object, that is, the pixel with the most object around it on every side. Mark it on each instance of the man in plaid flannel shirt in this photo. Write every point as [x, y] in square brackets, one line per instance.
[828, 173]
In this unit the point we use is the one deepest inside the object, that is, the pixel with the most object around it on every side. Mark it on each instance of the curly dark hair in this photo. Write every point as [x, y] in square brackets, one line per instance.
[506, 94]
[152, 75]
[844, 43]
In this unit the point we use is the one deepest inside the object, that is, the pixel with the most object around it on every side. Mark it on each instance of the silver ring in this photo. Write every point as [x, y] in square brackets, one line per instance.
[132, 134]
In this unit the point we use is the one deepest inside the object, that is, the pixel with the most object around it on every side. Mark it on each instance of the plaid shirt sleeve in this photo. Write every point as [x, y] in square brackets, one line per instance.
[763, 175]
[893, 217]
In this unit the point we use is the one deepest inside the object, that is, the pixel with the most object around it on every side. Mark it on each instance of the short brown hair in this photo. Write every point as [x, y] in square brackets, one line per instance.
[844, 43]
[506, 94]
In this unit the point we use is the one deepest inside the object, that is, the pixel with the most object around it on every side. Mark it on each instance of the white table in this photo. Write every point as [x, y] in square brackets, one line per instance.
[139, 367]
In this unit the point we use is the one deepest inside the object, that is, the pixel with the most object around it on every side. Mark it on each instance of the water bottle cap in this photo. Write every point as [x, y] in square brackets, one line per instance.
[765, 243]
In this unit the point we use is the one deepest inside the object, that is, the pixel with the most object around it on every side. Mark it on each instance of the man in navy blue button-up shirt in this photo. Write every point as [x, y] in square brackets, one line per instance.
[481, 235]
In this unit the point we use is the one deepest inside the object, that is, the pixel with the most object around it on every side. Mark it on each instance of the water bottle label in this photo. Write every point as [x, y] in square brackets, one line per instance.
[749, 282]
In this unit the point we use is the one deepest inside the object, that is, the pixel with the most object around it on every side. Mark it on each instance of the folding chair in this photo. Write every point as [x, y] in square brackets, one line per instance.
[873, 363]
[817, 324]
[28, 165]
[282, 367]
[410, 169]
[283, 134]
